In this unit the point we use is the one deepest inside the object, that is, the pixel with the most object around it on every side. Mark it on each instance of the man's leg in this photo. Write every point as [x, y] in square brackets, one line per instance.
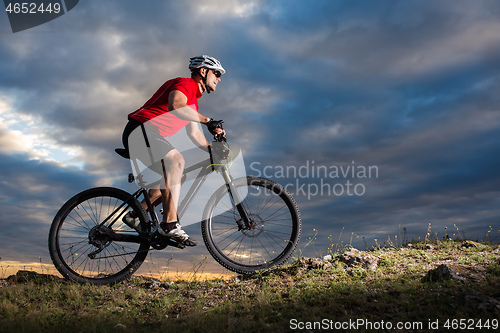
[173, 164]
[174, 167]
[154, 197]
[130, 219]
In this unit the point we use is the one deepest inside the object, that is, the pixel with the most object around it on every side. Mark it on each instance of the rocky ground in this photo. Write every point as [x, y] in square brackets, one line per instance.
[415, 281]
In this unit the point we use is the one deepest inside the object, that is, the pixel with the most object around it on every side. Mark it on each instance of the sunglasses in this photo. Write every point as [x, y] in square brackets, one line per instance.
[217, 73]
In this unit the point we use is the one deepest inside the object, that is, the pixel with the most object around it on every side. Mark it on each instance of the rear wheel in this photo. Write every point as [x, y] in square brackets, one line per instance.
[275, 230]
[81, 245]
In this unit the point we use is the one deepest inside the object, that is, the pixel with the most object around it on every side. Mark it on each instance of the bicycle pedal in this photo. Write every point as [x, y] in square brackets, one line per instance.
[174, 243]
[160, 242]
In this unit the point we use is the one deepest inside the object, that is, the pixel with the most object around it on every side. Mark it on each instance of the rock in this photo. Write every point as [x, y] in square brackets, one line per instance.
[462, 273]
[303, 264]
[152, 284]
[430, 247]
[469, 243]
[443, 273]
[316, 263]
[23, 276]
[355, 257]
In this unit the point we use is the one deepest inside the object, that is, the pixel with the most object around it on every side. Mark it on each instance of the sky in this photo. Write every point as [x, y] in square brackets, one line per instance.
[382, 118]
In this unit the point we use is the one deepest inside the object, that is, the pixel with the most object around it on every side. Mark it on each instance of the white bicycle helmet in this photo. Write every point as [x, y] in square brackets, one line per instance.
[207, 62]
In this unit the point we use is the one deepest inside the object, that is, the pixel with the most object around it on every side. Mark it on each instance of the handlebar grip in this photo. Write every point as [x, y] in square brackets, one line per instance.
[212, 125]
[220, 138]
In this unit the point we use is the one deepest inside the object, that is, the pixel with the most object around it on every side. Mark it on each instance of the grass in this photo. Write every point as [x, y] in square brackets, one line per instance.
[394, 292]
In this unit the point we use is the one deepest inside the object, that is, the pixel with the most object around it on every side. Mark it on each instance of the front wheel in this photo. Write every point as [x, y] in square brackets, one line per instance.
[273, 235]
[83, 238]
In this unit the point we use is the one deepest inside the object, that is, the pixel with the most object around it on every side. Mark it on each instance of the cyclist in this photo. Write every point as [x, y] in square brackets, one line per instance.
[175, 106]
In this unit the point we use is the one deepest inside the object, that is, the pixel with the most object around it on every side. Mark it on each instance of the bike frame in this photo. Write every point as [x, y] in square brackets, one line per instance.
[206, 168]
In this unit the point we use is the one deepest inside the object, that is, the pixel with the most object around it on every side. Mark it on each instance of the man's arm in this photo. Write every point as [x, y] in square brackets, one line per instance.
[197, 136]
[177, 105]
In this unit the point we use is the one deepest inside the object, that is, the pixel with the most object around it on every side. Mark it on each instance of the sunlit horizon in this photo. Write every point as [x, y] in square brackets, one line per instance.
[179, 273]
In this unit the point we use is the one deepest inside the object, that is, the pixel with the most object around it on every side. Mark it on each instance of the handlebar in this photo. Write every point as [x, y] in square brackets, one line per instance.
[212, 126]
[220, 150]
[220, 138]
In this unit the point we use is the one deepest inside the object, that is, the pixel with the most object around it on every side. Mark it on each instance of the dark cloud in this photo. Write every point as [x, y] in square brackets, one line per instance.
[32, 193]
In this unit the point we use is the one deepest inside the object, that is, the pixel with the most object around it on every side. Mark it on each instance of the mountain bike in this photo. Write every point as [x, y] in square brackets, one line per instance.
[248, 224]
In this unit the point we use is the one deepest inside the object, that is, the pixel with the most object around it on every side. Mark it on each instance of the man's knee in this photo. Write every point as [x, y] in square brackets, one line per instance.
[175, 161]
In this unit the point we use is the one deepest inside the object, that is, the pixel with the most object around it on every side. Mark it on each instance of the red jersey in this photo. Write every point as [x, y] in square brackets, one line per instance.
[168, 124]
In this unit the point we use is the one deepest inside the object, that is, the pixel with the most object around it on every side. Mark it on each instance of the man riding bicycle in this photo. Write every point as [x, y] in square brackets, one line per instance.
[174, 106]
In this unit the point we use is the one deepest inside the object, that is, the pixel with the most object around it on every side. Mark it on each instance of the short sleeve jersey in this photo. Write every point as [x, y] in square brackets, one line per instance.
[154, 113]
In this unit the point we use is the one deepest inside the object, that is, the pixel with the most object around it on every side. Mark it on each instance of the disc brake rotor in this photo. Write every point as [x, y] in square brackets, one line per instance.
[256, 227]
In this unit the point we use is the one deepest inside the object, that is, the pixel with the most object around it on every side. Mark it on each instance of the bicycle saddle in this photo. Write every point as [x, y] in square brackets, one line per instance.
[123, 152]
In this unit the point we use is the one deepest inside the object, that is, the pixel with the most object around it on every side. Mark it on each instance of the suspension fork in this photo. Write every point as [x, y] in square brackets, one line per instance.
[237, 200]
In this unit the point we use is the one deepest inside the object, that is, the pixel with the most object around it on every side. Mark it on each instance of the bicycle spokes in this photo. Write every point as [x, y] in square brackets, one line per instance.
[88, 240]
[270, 235]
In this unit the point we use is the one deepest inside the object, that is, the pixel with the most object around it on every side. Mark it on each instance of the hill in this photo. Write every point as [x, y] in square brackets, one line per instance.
[427, 286]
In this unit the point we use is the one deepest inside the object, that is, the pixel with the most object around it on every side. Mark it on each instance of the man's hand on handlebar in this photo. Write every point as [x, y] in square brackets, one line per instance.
[215, 127]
